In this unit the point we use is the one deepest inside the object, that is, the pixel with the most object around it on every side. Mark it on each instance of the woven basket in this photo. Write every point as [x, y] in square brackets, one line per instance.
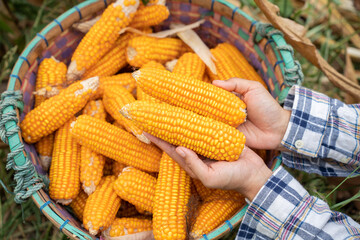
[264, 47]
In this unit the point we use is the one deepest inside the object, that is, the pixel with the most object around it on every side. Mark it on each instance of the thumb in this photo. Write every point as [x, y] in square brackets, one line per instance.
[193, 163]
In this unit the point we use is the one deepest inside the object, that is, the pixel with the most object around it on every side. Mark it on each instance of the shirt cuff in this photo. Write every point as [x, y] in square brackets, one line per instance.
[272, 206]
[309, 116]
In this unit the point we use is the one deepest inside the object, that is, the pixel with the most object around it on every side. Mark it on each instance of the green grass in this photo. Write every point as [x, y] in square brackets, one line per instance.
[20, 21]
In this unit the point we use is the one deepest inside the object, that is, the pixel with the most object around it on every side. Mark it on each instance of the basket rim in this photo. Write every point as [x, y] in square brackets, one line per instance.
[41, 41]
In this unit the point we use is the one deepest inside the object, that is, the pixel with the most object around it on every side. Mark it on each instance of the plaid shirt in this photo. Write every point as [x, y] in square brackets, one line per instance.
[323, 137]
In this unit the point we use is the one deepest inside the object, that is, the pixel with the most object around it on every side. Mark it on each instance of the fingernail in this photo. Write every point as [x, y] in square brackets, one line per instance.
[180, 152]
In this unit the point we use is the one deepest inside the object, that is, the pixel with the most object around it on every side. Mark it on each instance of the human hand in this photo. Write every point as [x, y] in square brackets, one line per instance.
[246, 175]
[266, 120]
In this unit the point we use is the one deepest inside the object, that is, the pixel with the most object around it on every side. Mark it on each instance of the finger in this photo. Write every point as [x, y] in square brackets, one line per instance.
[170, 150]
[238, 85]
[165, 146]
[194, 163]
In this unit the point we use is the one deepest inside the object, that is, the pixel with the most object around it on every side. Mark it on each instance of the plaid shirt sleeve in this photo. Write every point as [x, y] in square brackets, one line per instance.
[283, 209]
[323, 134]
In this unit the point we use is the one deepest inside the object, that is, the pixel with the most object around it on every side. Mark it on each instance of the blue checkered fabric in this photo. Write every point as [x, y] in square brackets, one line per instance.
[283, 209]
[328, 131]
[323, 137]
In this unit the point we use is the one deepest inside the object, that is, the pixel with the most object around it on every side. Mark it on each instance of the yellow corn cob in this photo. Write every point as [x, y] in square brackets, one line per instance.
[54, 112]
[117, 168]
[144, 49]
[130, 226]
[118, 125]
[203, 191]
[189, 64]
[126, 210]
[115, 97]
[91, 170]
[246, 70]
[136, 187]
[143, 30]
[117, 144]
[78, 205]
[101, 206]
[44, 147]
[171, 204]
[207, 194]
[95, 109]
[65, 166]
[188, 93]
[52, 73]
[108, 167]
[225, 66]
[112, 61]
[213, 213]
[150, 16]
[139, 92]
[178, 126]
[123, 79]
[101, 37]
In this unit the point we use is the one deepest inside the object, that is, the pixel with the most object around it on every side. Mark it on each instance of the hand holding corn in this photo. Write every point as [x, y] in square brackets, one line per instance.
[246, 175]
[266, 121]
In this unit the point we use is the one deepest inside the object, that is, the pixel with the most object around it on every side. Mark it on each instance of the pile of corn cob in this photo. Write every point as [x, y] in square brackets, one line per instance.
[88, 123]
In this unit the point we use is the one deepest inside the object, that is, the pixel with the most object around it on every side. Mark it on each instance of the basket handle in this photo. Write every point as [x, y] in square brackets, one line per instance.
[293, 75]
[26, 178]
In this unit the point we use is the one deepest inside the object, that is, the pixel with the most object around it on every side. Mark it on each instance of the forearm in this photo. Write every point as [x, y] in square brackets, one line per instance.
[283, 209]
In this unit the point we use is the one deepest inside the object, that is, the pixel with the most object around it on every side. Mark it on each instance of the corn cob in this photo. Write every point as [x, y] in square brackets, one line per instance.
[44, 147]
[247, 71]
[170, 65]
[213, 213]
[101, 206]
[188, 93]
[145, 30]
[189, 64]
[78, 205]
[115, 97]
[203, 191]
[112, 61]
[144, 49]
[123, 79]
[51, 73]
[130, 229]
[171, 203]
[101, 37]
[117, 168]
[209, 194]
[108, 167]
[91, 170]
[118, 125]
[178, 126]
[126, 210]
[150, 16]
[54, 112]
[65, 166]
[117, 144]
[139, 92]
[136, 187]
